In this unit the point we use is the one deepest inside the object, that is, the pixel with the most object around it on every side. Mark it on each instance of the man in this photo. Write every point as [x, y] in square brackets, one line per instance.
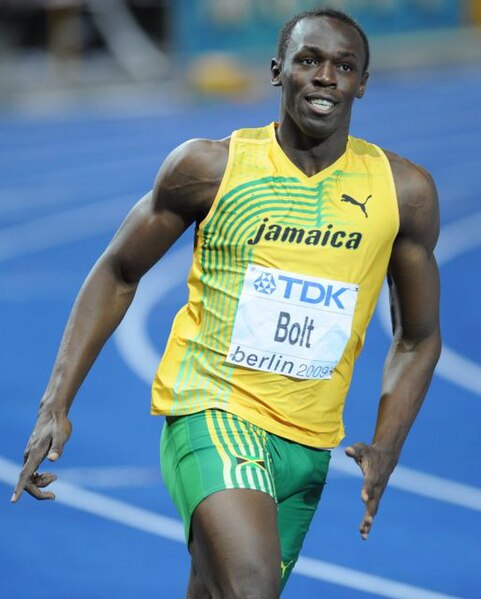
[297, 226]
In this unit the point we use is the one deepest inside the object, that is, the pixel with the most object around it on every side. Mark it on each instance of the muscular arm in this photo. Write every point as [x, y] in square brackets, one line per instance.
[414, 296]
[183, 192]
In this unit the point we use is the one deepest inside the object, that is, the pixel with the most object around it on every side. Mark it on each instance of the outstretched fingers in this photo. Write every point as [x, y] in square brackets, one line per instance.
[42, 444]
[370, 494]
[376, 465]
[31, 481]
[38, 482]
[366, 524]
[34, 454]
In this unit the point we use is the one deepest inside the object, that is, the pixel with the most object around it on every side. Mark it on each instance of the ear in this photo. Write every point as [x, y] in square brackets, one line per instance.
[363, 84]
[275, 73]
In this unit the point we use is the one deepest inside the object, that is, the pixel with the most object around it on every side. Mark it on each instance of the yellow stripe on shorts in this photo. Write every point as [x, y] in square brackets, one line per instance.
[210, 415]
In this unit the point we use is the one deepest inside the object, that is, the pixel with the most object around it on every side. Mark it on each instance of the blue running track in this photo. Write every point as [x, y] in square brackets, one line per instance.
[66, 182]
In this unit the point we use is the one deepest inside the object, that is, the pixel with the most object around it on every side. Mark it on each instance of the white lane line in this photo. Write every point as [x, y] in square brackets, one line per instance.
[35, 200]
[41, 285]
[84, 169]
[141, 519]
[430, 144]
[459, 237]
[418, 483]
[353, 579]
[65, 227]
[133, 342]
[103, 506]
[30, 198]
[110, 477]
[79, 148]
[456, 239]
[403, 479]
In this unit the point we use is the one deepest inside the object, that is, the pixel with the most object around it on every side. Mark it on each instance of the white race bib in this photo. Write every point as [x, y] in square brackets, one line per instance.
[291, 324]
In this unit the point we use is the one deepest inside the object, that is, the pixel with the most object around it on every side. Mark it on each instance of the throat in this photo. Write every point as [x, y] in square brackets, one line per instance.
[312, 156]
[310, 163]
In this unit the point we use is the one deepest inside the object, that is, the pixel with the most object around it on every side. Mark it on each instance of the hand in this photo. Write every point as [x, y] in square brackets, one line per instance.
[51, 432]
[376, 465]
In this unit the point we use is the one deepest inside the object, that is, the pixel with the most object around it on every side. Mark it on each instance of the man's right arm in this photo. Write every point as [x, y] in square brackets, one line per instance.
[183, 192]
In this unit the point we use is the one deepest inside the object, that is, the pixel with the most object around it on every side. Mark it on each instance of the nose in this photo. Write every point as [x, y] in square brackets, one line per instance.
[326, 75]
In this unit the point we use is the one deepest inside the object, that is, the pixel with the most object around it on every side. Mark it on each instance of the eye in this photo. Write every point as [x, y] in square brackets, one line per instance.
[308, 61]
[345, 67]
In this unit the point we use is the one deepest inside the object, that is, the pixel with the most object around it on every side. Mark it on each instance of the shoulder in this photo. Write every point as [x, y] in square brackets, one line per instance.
[413, 182]
[417, 199]
[190, 176]
[199, 157]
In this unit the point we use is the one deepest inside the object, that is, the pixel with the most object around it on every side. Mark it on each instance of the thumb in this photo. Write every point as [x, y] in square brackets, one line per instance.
[356, 452]
[350, 452]
[56, 449]
[359, 453]
[59, 438]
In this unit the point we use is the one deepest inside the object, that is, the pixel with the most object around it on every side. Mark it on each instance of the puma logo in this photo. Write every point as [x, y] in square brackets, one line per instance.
[362, 205]
[284, 566]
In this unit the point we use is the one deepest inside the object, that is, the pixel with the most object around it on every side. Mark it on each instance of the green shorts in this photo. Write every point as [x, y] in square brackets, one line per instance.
[213, 450]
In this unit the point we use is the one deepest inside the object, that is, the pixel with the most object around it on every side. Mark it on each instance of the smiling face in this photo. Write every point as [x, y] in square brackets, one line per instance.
[321, 75]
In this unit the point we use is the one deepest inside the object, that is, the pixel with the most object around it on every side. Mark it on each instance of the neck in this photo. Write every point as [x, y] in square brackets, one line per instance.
[311, 155]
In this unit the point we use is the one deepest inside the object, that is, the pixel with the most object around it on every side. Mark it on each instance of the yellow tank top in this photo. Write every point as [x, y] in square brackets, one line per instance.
[285, 276]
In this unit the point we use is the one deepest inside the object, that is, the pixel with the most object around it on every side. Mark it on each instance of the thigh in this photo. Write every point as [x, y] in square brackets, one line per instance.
[196, 588]
[235, 544]
[294, 519]
[300, 474]
[208, 452]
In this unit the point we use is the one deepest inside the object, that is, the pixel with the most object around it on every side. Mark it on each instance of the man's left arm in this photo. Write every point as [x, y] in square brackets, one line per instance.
[414, 295]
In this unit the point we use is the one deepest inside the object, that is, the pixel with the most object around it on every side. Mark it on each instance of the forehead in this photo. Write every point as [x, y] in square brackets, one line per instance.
[328, 34]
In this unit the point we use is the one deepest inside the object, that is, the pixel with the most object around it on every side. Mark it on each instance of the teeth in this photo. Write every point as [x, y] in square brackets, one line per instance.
[323, 103]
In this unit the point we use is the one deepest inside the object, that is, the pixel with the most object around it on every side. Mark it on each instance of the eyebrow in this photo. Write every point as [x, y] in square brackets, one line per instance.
[340, 54]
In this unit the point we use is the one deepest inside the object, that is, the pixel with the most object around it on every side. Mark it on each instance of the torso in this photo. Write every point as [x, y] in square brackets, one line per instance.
[211, 158]
[268, 213]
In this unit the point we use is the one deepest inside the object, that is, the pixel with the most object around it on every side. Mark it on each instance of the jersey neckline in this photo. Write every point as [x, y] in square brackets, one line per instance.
[287, 165]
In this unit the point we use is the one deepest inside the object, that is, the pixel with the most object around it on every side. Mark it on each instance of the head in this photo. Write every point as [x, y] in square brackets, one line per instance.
[321, 65]
[285, 32]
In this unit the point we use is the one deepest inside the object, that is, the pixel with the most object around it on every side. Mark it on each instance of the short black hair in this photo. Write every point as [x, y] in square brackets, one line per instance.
[286, 31]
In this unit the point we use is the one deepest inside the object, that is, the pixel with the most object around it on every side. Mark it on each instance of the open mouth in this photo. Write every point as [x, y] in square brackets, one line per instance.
[321, 105]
